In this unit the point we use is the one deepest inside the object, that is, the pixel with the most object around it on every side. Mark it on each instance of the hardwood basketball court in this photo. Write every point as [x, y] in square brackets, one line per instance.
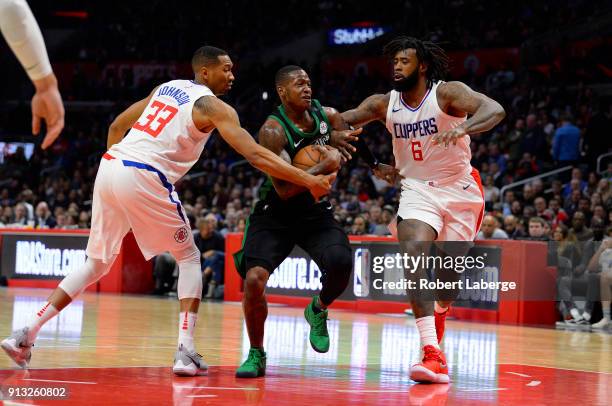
[118, 349]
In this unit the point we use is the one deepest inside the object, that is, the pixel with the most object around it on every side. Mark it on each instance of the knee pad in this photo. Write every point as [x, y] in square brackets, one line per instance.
[337, 264]
[91, 271]
[189, 280]
[189, 253]
[338, 258]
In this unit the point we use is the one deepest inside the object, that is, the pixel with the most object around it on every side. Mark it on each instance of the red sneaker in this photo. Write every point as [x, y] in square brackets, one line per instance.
[440, 319]
[432, 369]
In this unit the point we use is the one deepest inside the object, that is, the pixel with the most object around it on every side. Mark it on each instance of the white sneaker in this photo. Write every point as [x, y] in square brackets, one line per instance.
[586, 316]
[18, 348]
[576, 314]
[601, 324]
[188, 363]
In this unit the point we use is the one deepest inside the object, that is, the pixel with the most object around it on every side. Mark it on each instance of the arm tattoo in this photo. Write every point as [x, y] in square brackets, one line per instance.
[272, 137]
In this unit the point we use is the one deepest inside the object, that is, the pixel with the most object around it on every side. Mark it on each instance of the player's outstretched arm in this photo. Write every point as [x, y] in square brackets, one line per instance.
[23, 35]
[126, 120]
[209, 109]
[272, 137]
[340, 139]
[371, 109]
[457, 99]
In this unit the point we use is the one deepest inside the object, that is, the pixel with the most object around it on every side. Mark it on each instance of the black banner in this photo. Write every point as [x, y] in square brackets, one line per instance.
[378, 274]
[42, 256]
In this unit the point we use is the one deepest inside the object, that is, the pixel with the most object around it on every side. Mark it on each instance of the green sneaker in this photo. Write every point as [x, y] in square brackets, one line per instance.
[319, 337]
[254, 366]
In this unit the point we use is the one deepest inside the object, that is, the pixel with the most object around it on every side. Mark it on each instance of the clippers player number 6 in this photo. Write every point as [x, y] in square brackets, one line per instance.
[441, 194]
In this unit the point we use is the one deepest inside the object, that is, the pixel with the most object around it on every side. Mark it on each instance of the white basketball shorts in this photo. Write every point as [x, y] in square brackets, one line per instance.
[453, 207]
[132, 195]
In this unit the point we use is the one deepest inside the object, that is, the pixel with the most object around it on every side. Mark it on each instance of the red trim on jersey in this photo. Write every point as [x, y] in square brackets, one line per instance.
[108, 156]
[476, 175]
[420, 104]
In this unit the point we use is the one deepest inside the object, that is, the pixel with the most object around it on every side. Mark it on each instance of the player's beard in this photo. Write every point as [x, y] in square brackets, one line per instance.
[408, 83]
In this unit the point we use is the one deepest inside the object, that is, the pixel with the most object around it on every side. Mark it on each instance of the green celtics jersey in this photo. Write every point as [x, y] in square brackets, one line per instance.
[298, 139]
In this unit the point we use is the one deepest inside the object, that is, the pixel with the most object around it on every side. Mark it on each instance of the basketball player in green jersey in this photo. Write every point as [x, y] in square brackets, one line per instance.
[286, 215]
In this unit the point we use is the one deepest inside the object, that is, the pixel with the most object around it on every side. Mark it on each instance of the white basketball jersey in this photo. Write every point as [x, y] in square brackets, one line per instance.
[412, 130]
[165, 136]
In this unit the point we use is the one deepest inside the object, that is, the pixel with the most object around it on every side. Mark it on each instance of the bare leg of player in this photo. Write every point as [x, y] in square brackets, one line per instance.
[415, 239]
[255, 313]
[445, 297]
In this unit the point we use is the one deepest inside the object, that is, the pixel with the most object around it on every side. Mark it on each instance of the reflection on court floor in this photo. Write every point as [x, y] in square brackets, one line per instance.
[111, 349]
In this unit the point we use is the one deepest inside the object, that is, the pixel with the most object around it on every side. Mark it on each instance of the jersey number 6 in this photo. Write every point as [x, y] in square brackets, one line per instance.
[160, 115]
[417, 152]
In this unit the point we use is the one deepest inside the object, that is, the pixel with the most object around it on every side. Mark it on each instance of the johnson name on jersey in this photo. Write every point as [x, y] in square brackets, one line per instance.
[165, 136]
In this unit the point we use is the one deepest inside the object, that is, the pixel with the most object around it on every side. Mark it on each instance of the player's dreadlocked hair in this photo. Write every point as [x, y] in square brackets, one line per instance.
[427, 52]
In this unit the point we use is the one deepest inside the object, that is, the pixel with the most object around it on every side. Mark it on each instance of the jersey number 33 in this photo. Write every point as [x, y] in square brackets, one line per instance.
[155, 117]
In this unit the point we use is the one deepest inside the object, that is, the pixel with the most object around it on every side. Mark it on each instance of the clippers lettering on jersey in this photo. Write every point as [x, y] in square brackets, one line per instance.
[420, 128]
[177, 94]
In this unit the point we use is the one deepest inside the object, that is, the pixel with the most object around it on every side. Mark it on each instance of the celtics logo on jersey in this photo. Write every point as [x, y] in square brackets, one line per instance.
[323, 127]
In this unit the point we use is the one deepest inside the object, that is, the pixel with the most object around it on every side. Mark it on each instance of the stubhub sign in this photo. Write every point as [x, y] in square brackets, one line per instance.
[355, 35]
[42, 256]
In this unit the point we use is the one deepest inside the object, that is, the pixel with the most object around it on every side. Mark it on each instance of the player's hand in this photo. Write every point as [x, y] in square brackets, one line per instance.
[330, 157]
[446, 137]
[386, 172]
[341, 138]
[47, 105]
[321, 184]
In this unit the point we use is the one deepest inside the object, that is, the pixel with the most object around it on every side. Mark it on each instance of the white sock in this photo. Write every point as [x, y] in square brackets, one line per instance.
[46, 313]
[427, 331]
[438, 308]
[187, 321]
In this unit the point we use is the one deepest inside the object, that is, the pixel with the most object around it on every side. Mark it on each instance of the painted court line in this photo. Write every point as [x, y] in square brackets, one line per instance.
[202, 396]
[214, 387]
[534, 383]
[517, 374]
[559, 368]
[51, 380]
[371, 390]
[483, 390]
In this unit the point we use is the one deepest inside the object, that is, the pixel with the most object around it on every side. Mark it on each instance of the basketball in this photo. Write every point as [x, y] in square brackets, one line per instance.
[307, 157]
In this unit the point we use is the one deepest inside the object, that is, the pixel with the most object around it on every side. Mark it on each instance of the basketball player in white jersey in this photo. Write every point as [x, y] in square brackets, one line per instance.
[134, 190]
[441, 197]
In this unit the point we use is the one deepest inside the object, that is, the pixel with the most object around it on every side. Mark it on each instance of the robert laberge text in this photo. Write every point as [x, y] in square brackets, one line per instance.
[468, 284]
